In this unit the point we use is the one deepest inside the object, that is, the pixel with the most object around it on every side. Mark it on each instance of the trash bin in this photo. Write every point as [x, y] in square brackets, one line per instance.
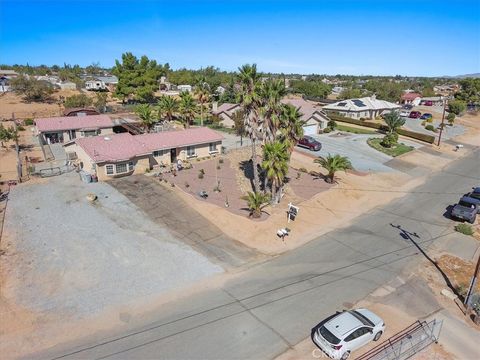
[94, 178]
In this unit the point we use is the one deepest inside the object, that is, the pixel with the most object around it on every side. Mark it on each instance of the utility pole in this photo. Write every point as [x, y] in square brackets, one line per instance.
[443, 122]
[473, 282]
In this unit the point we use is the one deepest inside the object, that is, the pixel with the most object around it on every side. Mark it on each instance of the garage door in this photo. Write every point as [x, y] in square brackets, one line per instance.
[310, 130]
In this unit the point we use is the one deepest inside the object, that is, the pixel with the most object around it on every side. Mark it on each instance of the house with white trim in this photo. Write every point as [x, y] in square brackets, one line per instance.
[363, 108]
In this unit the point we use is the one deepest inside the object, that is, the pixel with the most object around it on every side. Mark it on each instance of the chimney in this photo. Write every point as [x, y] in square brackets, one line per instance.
[214, 106]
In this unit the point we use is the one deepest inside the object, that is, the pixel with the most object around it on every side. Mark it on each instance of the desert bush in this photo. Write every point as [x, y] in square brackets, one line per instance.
[430, 127]
[220, 161]
[28, 122]
[201, 173]
[464, 229]
[302, 169]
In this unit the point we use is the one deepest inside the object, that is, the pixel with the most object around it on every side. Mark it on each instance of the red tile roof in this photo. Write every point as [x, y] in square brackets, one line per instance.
[122, 147]
[410, 96]
[73, 123]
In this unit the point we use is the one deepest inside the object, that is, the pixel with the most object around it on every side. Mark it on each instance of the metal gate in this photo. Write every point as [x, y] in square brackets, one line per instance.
[407, 342]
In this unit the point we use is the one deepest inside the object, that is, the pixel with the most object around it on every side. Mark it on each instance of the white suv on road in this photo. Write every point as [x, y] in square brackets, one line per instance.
[341, 334]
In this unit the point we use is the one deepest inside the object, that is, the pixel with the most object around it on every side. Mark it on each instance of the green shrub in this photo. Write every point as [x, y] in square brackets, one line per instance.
[430, 120]
[332, 124]
[327, 130]
[20, 128]
[28, 122]
[302, 169]
[430, 127]
[457, 106]
[464, 229]
[451, 118]
[389, 140]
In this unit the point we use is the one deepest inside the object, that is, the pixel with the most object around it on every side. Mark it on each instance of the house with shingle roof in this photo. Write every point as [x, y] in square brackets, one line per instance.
[124, 154]
[312, 115]
[363, 108]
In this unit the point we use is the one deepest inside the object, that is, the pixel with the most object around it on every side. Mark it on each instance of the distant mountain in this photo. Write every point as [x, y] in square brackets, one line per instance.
[476, 75]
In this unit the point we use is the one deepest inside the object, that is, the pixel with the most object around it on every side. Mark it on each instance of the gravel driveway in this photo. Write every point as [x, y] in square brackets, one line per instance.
[355, 147]
[69, 256]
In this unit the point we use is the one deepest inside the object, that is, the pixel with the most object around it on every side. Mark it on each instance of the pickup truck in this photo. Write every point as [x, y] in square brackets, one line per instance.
[466, 209]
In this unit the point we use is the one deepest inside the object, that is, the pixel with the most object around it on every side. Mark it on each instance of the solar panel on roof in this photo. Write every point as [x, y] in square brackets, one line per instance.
[358, 103]
[342, 104]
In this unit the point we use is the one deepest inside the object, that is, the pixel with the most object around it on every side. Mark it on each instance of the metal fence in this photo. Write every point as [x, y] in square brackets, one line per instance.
[406, 343]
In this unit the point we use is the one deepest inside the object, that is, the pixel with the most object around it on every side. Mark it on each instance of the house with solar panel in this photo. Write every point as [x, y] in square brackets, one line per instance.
[363, 108]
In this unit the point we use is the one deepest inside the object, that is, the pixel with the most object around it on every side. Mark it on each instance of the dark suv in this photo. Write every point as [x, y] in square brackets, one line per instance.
[310, 143]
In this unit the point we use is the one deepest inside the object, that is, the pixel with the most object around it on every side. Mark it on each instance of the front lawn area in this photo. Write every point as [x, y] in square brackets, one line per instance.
[353, 129]
[394, 151]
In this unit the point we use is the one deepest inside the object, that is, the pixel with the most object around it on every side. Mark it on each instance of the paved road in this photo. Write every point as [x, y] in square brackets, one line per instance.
[272, 306]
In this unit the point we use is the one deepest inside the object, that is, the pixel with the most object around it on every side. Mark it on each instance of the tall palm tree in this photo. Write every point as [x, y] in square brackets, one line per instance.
[145, 113]
[333, 163]
[256, 202]
[275, 165]
[167, 105]
[187, 108]
[291, 126]
[249, 81]
[270, 94]
[203, 97]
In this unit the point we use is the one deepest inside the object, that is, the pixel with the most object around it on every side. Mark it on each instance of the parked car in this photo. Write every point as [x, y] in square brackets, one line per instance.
[310, 143]
[475, 194]
[408, 106]
[426, 116]
[339, 335]
[404, 113]
[428, 103]
[466, 209]
[415, 114]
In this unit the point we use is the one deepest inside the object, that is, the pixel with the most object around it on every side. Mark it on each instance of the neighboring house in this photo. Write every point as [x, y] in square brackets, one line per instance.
[67, 85]
[68, 128]
[80, 112]
[337, 90]
[54, 80]
[8, 73]
[184, 88]
[446, 90]
[125, 154]
[367, 107]
[411, 98]
[435, 100]
[220, 90]
[102, 83]
[164, 85]
[4, 84]
[315, 119]
[313, 116]
[225, 113]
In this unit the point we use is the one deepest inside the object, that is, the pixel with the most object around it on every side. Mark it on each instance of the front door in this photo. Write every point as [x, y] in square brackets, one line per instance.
[173, 155]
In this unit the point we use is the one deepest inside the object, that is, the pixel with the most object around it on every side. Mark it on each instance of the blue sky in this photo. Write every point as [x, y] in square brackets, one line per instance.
[348, 37]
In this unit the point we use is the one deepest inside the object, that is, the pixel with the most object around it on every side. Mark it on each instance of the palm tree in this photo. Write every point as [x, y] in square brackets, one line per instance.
[333, 163]
[167, 105]
[394, 122]
[145, 113]
[275, 165]
[187, 108]
[291, 126]
[203, 97]
[270, 93]
[249, 81]
[256, 202]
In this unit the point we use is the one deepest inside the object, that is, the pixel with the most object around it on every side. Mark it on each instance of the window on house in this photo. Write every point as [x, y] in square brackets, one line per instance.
[158, 153]
[121, 168]
[190, 150]
[109, 169]
[131, 166]
[90, 133]
[212, 147]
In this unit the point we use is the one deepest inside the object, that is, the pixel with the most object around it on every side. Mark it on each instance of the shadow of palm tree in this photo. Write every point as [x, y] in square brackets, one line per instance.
[247, 167]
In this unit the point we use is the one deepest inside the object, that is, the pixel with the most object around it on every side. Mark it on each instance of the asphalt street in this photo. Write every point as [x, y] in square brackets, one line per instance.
[271, 306]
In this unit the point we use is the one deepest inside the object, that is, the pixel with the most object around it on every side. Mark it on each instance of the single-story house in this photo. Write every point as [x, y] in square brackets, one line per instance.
[4, 84]
[67, 85]
[315, 119]
[184, 88]
[366, 108]
[80, 112]
[68, 128]
[124, 154]
[313, 116]
[8, 73]
[225, 113]
[434, 100]
[95, 85]
[102, 83]
[337, 90]
[411, 98]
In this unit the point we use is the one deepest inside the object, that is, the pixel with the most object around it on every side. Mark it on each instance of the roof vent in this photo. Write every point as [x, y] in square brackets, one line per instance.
[106, 138]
